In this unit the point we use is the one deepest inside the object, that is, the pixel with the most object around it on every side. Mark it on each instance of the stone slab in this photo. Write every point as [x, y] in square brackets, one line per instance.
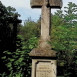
[52, 3]
[43, 68]
[39, 52]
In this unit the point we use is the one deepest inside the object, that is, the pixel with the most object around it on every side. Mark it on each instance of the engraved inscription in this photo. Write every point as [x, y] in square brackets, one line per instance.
[43, 69]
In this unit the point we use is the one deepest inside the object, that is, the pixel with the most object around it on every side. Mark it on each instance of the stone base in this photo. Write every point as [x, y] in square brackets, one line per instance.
[42, 52]
[43, 68]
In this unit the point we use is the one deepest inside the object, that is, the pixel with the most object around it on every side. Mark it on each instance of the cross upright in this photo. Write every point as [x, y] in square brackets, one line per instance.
[46, 6]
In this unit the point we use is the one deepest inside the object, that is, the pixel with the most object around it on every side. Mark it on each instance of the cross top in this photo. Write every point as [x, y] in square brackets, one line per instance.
[50, 3]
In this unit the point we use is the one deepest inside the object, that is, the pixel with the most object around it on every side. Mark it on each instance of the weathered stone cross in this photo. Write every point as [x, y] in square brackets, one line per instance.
[46, 6]
[43, 57]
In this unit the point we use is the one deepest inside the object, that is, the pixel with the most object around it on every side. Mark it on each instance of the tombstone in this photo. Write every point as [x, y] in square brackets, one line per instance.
[43, 57]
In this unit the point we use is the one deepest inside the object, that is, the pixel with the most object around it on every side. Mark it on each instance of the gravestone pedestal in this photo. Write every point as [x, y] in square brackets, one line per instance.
[44, 62]
[43, 68]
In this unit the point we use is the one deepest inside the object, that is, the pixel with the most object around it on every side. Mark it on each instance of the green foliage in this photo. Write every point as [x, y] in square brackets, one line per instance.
[30, 29]
[63, 40]
[19, 62]
[71, 14]
[8, 31]
[12, 11]
[8, 18]
[12, 74]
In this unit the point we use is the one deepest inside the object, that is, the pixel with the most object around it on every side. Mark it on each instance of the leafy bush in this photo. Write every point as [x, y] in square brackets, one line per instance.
[19, 62]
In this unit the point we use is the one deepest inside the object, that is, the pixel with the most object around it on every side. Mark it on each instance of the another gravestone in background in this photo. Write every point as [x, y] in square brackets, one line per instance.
[43, 58]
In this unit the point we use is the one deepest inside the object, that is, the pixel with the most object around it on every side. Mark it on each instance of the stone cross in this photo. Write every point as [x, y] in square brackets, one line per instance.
[43, 58]
[46, 6]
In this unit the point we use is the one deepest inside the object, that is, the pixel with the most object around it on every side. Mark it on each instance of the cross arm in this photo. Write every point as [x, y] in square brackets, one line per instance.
[36, 3]
[52, 3]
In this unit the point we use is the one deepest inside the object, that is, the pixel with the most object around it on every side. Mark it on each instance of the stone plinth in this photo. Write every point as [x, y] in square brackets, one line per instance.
[43, 68]
[42, 53]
